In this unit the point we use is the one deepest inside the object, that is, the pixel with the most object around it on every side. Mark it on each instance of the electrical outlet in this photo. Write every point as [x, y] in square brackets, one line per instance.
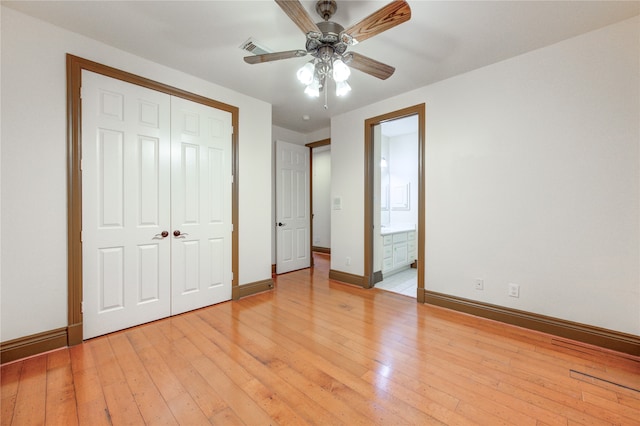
[348, 261]
[479, 284]
[514, 290]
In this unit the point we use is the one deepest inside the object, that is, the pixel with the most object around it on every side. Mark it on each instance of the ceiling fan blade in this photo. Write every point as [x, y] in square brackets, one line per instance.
[395, 13]
[298, 14]
[268, 57]
[368, 65]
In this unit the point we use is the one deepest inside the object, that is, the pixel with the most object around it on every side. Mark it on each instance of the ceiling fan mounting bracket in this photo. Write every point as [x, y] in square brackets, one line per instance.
[326, 8]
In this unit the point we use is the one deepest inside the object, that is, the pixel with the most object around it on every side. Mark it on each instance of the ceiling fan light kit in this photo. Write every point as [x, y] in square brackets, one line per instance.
[328, 41]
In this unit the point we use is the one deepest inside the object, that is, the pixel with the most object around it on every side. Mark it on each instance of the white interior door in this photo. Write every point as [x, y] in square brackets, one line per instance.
[125, 204]
[293, 248]
[201, 205]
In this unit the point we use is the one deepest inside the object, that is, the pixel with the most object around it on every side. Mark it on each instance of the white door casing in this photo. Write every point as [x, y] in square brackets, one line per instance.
[126, 204]
[293, 248]
[201, 183]
[152, 164]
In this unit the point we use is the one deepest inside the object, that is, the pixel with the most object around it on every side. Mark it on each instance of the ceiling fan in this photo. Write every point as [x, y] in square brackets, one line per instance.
[327, 43]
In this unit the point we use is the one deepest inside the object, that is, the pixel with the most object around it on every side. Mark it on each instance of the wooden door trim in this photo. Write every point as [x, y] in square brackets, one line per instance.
[420, 111]
[75, 66]
[317, 144]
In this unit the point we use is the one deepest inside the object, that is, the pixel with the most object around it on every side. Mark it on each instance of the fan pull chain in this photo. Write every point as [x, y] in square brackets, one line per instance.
[326, 95]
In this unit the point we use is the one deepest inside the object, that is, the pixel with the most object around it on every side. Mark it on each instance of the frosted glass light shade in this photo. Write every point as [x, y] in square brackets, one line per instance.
[341, 71]
[313, 89]
[342, 88]
[305, 74]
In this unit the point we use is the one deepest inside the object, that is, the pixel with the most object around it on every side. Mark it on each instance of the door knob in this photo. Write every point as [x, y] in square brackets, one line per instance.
[163, 234]
[281, 224]
[176, 233]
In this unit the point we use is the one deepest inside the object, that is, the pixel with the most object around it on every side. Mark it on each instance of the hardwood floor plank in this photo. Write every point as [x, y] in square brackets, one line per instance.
[9, 381]
[186, 411]
[614, 411]
[81, 357]
[58, 358]
[257, 354]
[441, 413]
[281, 364]
[315, 351]
[244, 407]
[121, 404]
[347, 375]
[30, 404]
[204, 395]
[573, 410]
[627, 400]
[148, 397]
[230, 382]
[61, 406]
[94, 413]
[226, 417]
[270, 401]
[91, 403]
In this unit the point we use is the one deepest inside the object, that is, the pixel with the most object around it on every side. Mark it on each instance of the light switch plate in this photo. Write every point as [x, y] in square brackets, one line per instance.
[337, 203]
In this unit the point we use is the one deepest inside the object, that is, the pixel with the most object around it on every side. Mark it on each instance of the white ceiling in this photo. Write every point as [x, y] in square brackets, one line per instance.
[442, 39]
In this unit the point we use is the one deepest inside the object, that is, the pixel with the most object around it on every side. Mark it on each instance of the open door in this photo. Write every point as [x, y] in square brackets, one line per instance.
[293, 222]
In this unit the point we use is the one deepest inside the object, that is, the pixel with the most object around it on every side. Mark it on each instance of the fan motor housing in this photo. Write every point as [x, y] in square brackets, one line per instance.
[330, 37]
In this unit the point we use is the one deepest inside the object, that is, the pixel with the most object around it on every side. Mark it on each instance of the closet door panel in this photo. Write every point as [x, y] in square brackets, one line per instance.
[125, 204]
[201, 206]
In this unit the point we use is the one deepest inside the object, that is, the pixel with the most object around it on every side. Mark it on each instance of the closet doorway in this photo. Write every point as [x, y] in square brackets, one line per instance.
[160, 195]
[156, 208]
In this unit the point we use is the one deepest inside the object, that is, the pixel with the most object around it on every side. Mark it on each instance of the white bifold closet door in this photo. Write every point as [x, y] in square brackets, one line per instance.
[156, 205]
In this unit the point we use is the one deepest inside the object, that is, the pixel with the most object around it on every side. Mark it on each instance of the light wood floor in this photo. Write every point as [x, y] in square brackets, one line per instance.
[315, 351]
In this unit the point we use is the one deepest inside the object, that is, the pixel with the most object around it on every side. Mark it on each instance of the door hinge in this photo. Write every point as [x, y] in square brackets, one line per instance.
[82, 307]
[232, 227]
[80, 236]
[232, 179]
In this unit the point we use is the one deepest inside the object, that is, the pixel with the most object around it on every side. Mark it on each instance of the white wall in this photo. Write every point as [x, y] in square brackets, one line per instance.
[319, 135]
[532, 177]
[34, 211]
[286, 135]
[321, 160]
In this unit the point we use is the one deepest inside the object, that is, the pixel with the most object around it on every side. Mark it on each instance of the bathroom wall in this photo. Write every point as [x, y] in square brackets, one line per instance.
[401, 154]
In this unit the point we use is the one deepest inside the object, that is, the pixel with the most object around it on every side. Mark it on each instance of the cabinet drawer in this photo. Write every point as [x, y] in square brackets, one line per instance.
[387, 264]
[387, 240]
[411, 248]
[400, 237]
[387, 251]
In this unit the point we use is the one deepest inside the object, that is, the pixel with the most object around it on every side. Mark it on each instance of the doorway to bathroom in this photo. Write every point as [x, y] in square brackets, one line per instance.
[394, 194]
